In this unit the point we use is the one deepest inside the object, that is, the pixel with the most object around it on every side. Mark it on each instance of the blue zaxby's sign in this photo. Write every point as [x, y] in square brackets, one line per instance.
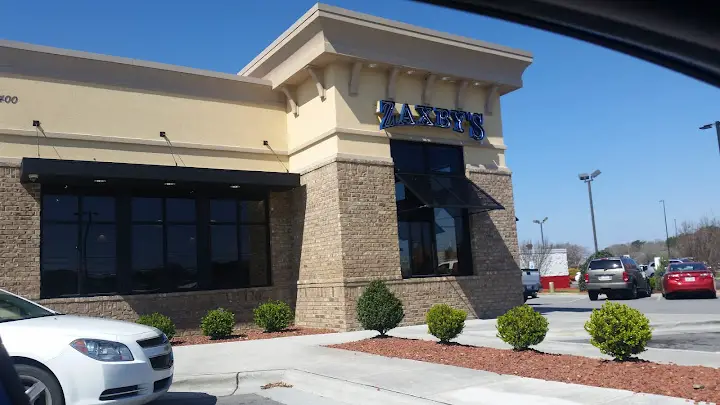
[426, 116]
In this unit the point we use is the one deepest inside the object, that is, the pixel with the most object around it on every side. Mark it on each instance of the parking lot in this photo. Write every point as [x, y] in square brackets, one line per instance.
[683, 324]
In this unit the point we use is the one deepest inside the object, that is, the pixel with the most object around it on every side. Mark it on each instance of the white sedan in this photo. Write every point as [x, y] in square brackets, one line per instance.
[65, 359]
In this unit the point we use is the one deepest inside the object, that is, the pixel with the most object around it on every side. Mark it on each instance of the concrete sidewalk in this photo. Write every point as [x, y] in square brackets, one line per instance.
[331, 376]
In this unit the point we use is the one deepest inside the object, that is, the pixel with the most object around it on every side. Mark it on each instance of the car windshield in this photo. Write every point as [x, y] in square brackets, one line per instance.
[687, 267]
[13, 308]
[605, 264]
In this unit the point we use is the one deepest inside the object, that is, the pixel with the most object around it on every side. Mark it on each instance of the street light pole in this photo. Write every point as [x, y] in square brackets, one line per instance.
[542, 234]
[588, 178]
[667, 234]
[717, 129]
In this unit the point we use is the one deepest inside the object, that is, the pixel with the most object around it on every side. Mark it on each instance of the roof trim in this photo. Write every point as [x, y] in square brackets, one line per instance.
[129, 62]
[337, 13]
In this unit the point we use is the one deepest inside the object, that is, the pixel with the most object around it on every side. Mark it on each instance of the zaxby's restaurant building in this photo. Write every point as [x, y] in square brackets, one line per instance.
[352, 148]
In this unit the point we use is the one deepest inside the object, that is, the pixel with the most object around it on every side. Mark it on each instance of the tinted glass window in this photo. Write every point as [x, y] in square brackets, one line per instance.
[182, 256]
[147, 258]
[180, 210]
[408, 157]
[98, 209]
[59, 260]
[223, 210]
[605, 264]
[444, 159]
[59, 207]
[147, 244]
[687, 267]
[252, 211]
[147, 209]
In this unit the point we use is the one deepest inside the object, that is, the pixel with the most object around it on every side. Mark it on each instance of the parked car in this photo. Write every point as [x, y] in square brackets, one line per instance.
[531, 283]
[688, 277]
[80, 360]
[616, 277]
[650, 268]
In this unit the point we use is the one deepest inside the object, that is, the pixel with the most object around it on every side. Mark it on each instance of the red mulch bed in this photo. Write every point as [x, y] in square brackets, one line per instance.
[638, 376]
[251, 334]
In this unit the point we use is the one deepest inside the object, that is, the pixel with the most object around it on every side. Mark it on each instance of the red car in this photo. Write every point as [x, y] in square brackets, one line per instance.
[688, 277]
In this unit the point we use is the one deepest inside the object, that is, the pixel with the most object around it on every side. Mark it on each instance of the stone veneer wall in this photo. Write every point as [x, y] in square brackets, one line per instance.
[19, 233]
[20, 266]
[368, 235]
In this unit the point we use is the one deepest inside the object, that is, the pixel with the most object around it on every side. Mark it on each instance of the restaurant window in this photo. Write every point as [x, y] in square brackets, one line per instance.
[129, 243]
[434, 202]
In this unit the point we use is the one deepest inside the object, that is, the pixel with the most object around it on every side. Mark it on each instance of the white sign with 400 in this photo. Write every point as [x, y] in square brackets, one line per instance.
[8, 99]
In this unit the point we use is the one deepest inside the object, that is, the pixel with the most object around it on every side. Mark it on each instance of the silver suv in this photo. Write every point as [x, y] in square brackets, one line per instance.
[616, 277]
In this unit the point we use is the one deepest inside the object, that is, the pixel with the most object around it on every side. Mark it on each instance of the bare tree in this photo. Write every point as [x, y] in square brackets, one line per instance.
[700, 240]
[535, 255]
[576, 254]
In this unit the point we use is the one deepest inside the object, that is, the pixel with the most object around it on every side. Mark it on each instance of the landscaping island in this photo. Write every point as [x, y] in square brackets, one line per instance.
[695, 383]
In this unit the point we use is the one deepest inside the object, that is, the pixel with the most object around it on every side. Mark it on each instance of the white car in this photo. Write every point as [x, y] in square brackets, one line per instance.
[73, 360]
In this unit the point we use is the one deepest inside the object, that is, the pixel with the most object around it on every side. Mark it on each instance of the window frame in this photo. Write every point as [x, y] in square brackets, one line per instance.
[124, 224]
[465, 243]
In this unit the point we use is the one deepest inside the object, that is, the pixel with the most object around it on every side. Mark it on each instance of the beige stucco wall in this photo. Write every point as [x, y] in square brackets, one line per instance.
[106, 124]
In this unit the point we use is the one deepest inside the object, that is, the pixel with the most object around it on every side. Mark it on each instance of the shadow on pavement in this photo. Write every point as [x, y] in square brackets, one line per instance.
[185, 398]
[545, 310]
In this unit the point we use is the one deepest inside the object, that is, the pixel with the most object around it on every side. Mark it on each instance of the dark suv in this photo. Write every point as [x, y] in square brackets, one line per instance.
[616, 277]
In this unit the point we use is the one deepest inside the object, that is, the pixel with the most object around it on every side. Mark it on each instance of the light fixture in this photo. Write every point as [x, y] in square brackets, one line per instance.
[372, 65]
[476, 84]
[234, 186]
[445, 78]
[100, 181]
[169, 184]
[410, 72]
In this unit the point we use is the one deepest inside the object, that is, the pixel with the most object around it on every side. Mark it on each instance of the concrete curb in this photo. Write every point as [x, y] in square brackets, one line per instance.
[214, 384]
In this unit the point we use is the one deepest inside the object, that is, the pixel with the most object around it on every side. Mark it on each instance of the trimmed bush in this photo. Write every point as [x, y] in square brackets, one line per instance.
[379, 309]
[160, 321]
[218, 324]
[618, 330]
[445, 322]
[522, 327]
[273, 316]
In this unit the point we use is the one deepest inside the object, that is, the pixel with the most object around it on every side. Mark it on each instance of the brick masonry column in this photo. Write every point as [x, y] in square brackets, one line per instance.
[19, 233]
[494, 247]
[318, 249]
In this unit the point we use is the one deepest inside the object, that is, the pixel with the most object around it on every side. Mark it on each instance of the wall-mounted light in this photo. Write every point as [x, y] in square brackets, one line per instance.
[100, 181]
[410, 72]
[445, 78]
[234, 186]
[372, 65]
[169, 184]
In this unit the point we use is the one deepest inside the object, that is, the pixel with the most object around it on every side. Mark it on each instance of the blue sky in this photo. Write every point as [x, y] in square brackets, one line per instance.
[582, 107]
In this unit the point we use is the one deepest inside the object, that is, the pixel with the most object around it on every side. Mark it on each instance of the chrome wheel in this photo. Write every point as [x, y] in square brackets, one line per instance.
[36, 390]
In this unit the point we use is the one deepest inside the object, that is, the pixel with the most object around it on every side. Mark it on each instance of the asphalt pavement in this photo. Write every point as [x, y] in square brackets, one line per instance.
[705, 337]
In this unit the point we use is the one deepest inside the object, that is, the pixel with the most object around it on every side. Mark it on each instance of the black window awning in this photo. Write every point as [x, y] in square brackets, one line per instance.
[80, 173]
[438, 191]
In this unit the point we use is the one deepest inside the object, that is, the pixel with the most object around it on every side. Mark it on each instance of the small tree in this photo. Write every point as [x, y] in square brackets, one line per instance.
[584, 267]
[218, 324]
[522, 327]
[273, 316]
[160, 321]
[445, 322]
[379, 309]
[618, 330]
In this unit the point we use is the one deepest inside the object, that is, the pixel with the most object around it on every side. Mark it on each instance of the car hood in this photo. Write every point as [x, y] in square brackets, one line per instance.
[82, 327]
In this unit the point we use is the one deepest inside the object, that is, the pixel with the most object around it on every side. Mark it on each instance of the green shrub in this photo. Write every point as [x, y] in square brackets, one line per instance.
[218, 324]
[273, 316]
[445, 322]
[618, 330]
[584, 267]
[522, 327]
[654, 282]
[379, 309]
[160, 321]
